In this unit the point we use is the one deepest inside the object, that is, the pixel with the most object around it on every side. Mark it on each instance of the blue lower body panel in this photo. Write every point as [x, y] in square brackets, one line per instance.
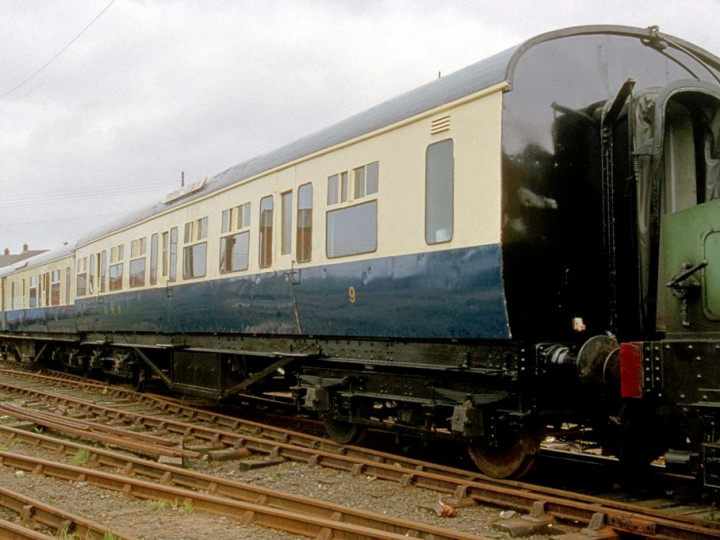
[455, 294]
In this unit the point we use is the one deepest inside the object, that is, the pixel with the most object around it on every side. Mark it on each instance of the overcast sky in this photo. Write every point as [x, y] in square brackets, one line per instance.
[108, 122]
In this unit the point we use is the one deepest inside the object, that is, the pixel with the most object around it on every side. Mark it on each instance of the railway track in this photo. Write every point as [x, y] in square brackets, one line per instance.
[33, 513]
[222, 433]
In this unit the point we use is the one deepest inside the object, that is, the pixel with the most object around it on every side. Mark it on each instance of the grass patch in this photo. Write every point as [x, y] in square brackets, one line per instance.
[81, 456]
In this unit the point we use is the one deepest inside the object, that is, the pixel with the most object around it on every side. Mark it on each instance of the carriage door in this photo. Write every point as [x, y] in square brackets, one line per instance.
[679, 208]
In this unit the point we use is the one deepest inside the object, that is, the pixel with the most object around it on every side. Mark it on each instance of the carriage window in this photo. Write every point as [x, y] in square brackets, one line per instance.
[304, 223]
[352, 230]
[33, 291]
[137, 272]
[117, 254]
[195, 255]
[153, 259]
[55, 288]
[234, 219]
[439, 179]
[103, 271]
[234, 251]
[81, 277]
[172, 276]
[286, 201]
[266, 231]
[137, 262]
[91, 274]
[332, 191]
[235, 248]
[194, 258]
[365, 179]
[68, 279]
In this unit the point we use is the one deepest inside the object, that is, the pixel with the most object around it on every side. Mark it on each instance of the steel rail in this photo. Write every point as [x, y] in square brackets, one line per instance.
[13, 531]
[221, 487]
[516, 495]
[259, 512]
[32, 511]
[123, 440]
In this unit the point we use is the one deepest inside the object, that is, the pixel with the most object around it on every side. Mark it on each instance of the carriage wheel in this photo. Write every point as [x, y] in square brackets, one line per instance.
[512, 460]
[343, 432]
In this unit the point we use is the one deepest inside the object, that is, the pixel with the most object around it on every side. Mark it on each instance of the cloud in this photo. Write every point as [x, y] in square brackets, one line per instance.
[152, 89]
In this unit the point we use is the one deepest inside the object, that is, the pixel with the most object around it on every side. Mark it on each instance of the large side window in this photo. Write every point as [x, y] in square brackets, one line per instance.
[266, 231]
[195, 249]
[439, 189]
[235, 247]
[304, 223]
[351, 230]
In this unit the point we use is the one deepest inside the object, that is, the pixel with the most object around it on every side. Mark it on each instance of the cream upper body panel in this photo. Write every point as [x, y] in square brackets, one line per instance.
[399, 150]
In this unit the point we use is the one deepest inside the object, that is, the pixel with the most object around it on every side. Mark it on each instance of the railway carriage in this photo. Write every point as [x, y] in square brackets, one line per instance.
[520, 247]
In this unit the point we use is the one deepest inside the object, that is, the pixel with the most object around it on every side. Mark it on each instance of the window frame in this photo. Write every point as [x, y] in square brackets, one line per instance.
[265, 232]
[438, 207]
[303, 239]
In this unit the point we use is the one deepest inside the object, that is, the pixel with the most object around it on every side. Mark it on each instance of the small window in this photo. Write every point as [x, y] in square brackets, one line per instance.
[344, 186]
[266, 231]
[439, 180]
[352, 230]
[153, 259]
[286, 201]
[234, 219]
[365, 179]
[304, 223]
[234, 252]
[332, 190]
[172, 270]
[137, 247]
[68, 280]
[362, 182]
[103, 271]
[196, 230]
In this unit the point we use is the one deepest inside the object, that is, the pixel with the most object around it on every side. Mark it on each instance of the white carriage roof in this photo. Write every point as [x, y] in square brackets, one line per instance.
[467, 81]
[38, 260]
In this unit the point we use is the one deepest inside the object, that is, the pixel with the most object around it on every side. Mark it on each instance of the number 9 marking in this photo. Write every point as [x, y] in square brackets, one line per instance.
[352, 296]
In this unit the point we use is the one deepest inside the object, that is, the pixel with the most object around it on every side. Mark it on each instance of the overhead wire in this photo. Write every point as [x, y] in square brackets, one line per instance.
[66, 47]
[86, 194]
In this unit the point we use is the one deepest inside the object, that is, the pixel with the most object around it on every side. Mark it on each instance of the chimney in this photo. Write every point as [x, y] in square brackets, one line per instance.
[7, 252]
[25, 248]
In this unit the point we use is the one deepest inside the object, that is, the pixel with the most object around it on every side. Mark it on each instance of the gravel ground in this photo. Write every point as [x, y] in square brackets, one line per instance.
[151, 520]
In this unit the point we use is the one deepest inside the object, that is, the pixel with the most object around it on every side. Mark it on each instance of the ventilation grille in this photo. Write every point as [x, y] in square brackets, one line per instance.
[439, 125]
